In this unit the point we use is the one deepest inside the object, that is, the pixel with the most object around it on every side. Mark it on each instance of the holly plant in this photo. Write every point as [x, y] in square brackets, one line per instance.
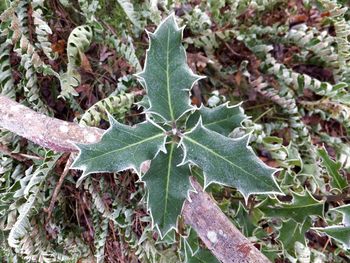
[177, 137]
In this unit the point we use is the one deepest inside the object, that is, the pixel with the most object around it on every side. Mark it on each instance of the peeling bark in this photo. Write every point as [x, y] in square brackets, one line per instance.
[218, 233]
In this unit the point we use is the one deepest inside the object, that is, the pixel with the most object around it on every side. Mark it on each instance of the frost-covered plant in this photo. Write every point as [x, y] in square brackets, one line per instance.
[177, 136]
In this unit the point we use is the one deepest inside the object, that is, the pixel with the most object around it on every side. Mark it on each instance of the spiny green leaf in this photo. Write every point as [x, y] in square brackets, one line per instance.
[302, 206]
[228, 161]
[166, 75]
[291, 232]
[244, 220]
[202, 256]
[121, 147]
[168, 185]
[222, 119]
[339, 233]
[338, 181]
[192, 241]
[195, 254]
[345, 210]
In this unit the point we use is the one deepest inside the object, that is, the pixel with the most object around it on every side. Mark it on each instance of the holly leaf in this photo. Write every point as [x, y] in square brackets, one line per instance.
[302, 206]
[244, 221]
[166, 75]
[222, 119]
[122, 147]
[341, 233]
[198, 174]
[338, 181]
[338, 233]
[291, 232]
[195, 254]
[345, 210]
[192, 241]
[202, 256]
[228, 161]
[168, 185]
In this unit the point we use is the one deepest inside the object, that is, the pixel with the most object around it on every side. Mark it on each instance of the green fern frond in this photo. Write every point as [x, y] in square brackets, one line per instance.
[42, 30]
[6, 80]
[117, 104]
[30, 189]
[79, 40]
[128, 9]
[128, 52]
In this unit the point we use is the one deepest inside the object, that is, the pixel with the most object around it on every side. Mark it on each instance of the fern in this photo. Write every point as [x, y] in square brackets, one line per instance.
[117, 104]
[262, 5]
[210, 41]
[101, 234]
[31, 63]
[6, 80]
[22, 15]
[300, 135]
[198, 21]
[42, 30]
[342, 30]
[319, 43]
[30, 81]
[329, 109]
[30, 189]
[88, 9]
[128, 52]
[79, 40]
[301, 81]
[128, 9]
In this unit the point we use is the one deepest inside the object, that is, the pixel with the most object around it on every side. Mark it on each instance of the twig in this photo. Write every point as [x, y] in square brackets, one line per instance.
[216, 231]
[18, 156]
[224, 240]
[58, 188]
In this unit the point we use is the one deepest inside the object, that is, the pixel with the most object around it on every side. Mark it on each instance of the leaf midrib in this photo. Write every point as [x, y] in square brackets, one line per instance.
[291, 206]
[167, 182]
[221, 157]
[168, 78]
[125, 147]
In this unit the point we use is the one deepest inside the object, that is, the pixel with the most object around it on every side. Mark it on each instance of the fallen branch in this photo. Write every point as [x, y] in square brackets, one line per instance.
[224, 240]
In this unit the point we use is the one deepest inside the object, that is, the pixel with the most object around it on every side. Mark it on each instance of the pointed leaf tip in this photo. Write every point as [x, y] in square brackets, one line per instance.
[167, 184]
[167, 77]
[228, 161]
[222, 119]
[121, 147]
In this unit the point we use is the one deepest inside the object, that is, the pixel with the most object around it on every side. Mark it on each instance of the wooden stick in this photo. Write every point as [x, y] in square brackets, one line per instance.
[224, 240]
[216, 231]
[48, 132]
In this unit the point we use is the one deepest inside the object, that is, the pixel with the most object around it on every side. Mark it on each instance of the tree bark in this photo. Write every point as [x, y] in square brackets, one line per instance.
[218, 233]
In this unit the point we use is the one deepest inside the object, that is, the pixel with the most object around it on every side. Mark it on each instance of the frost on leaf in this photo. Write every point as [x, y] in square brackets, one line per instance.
[302, 206]
[291, 232]
[167, 77]
[222, 119]
[167, 185]
[121, 147]
[228, 161]
[345, 210]
[341, 233]
[338, 181]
